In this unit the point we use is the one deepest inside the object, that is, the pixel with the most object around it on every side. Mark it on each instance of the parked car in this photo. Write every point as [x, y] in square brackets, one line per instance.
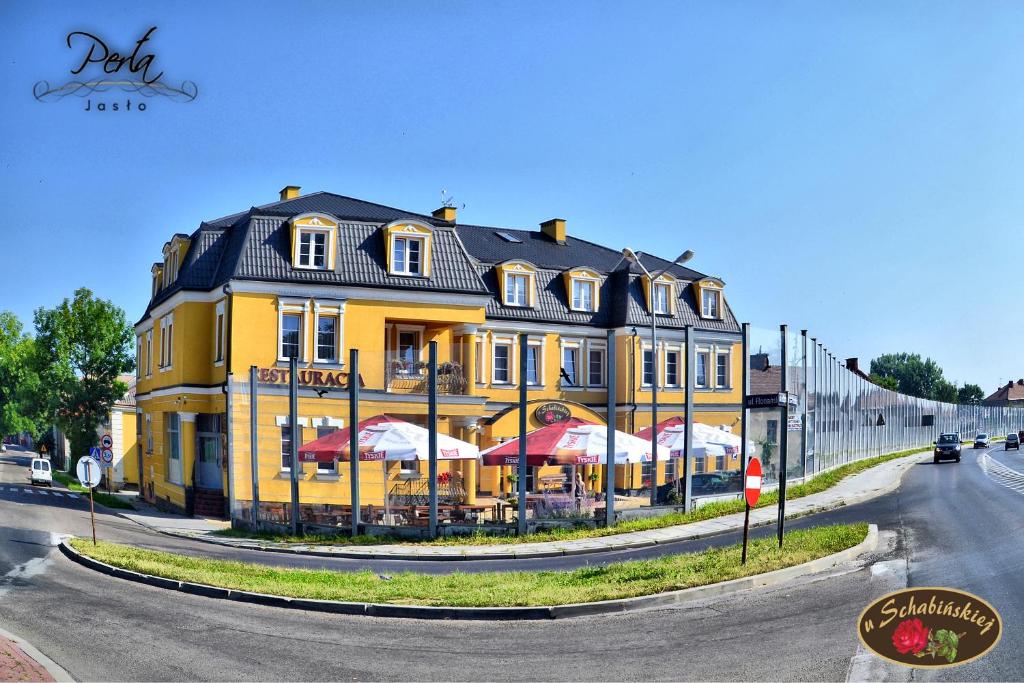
[40, 472]
[981, 441]
[947, 448]
[709, 483]
[1012, 441]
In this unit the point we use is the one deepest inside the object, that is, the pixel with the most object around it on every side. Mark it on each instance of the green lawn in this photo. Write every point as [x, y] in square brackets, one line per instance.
[104, 499]
[708, 511]
[490, 589]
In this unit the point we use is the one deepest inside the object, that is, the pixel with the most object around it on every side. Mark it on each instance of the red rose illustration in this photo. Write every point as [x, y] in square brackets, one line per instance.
[910, 636]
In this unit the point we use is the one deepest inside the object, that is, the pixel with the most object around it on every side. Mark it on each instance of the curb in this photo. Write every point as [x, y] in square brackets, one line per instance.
[53, 668]
[455, 556]
[869, 544]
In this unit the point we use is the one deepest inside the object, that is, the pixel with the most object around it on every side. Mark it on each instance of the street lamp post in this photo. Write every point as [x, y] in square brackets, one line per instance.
[632, 257]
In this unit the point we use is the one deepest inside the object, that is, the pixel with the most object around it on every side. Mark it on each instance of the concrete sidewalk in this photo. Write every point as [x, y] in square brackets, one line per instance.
[858, 488]
[165, 522]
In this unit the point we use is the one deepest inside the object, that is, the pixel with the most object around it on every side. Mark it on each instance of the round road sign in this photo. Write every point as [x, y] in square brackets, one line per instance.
[752, 482]
[106, 441]
[88, 472]
[107, 456]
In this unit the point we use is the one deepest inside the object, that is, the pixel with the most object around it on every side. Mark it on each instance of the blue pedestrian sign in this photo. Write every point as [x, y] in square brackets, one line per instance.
[94, 453]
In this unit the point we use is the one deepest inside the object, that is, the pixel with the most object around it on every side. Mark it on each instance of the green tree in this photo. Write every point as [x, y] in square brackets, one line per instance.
[913, 375]
[18, 380]
[889, 383]
[970, 393]
[81, 347]
[945, 392]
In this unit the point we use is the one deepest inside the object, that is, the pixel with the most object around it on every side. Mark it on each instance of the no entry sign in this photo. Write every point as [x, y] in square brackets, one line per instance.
[752, 482]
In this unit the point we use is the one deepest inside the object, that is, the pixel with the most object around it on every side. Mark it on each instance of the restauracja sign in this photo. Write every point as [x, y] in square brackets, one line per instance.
[310, 378]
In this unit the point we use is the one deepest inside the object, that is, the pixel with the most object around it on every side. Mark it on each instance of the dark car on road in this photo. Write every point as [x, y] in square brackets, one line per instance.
[947, 448]
[1012, 441]
[709, 483]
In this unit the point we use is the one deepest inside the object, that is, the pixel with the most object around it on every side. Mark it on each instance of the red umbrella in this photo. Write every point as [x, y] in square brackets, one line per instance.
[336, 444]
[541, 445]
[645, 433]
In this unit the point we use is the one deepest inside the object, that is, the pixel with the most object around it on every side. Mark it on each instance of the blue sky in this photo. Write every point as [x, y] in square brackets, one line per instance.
[848, 167]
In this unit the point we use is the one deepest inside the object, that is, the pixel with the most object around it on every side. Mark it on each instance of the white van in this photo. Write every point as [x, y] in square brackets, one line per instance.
[40, 472]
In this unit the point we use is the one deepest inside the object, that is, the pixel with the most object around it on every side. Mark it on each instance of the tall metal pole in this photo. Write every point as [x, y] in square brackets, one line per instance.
[691, 356]
[432, 433]
[803, 398]
[521, 483]
[353, 436]
[654, 398]
[609, 479]
[254, 453]
[744, 455]
[784, 440]
[293, 422]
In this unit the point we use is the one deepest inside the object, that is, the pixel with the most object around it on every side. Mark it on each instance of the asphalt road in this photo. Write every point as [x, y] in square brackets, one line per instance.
[955, 525]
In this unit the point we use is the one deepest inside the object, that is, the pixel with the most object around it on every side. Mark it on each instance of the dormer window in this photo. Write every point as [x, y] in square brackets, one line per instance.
[711, 303]
[313, 249]
[407, 256]
[662, 296]
[583, 295]
[517, 287]
[313, 242]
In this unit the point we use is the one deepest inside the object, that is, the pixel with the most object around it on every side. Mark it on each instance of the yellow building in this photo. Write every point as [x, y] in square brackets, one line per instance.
[313, 276]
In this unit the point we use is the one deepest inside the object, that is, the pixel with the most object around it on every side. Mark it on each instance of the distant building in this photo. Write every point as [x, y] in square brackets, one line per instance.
[1010, 394]
[122, 426]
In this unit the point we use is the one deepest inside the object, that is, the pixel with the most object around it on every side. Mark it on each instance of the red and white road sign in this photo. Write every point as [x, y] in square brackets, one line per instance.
[752, 482]
[106, 441]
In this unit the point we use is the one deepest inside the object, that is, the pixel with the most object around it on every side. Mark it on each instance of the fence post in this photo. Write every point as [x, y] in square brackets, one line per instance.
[293, 426]
[432, 434]
[353, 436]
[521, 483]
[784, 437]
[254, 454]
[744, 455]
[609, 478]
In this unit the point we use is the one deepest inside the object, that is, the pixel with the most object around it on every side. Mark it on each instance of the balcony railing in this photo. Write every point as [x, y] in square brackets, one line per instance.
[410, 377]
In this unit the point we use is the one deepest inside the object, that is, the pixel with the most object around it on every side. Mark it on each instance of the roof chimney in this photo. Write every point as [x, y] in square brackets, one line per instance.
[555, 229]
[445, 213]
[290, 192]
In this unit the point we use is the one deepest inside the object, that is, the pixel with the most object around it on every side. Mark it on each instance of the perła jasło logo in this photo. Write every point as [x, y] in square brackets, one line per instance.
[99, 69]
[929, 627]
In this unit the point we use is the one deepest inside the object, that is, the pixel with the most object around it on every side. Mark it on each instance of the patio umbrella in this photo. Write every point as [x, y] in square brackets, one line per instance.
[385, 438]
[573, 442]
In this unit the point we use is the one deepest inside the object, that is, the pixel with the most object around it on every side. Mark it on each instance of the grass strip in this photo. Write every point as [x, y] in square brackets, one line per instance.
[104, 499]
[490, 589]
[820, 483]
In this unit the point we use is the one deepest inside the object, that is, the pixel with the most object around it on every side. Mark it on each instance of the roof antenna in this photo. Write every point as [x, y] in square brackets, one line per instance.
[448, 201]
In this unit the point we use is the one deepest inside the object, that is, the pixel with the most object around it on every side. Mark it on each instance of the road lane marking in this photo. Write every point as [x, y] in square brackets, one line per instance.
[1001, 474]
[58, 494]
[73, 495]
[43, 493]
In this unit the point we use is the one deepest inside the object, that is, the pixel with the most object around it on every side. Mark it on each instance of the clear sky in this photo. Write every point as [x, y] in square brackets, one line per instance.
[849, 167]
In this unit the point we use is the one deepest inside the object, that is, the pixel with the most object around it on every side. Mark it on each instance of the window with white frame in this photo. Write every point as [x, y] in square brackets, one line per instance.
[698, 463]
[517, 289]
[219, 333]
[286, 446]
[327, 328]
[313, 249]
[711, 303]
[570, 365]
[534, 358]
[479, 369]
[595, 365]
[174, 469]
[583, 294]
[291, 335]
[409, 348]
[501, 361]
[719, 463]
[138, 356]
[166, 341]
[149, 353]
[648, 368]
[407, 255]
[672, 368]
[722, 369]
[661, 295]
[326, 467]
[701, 378]
[149, 433]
